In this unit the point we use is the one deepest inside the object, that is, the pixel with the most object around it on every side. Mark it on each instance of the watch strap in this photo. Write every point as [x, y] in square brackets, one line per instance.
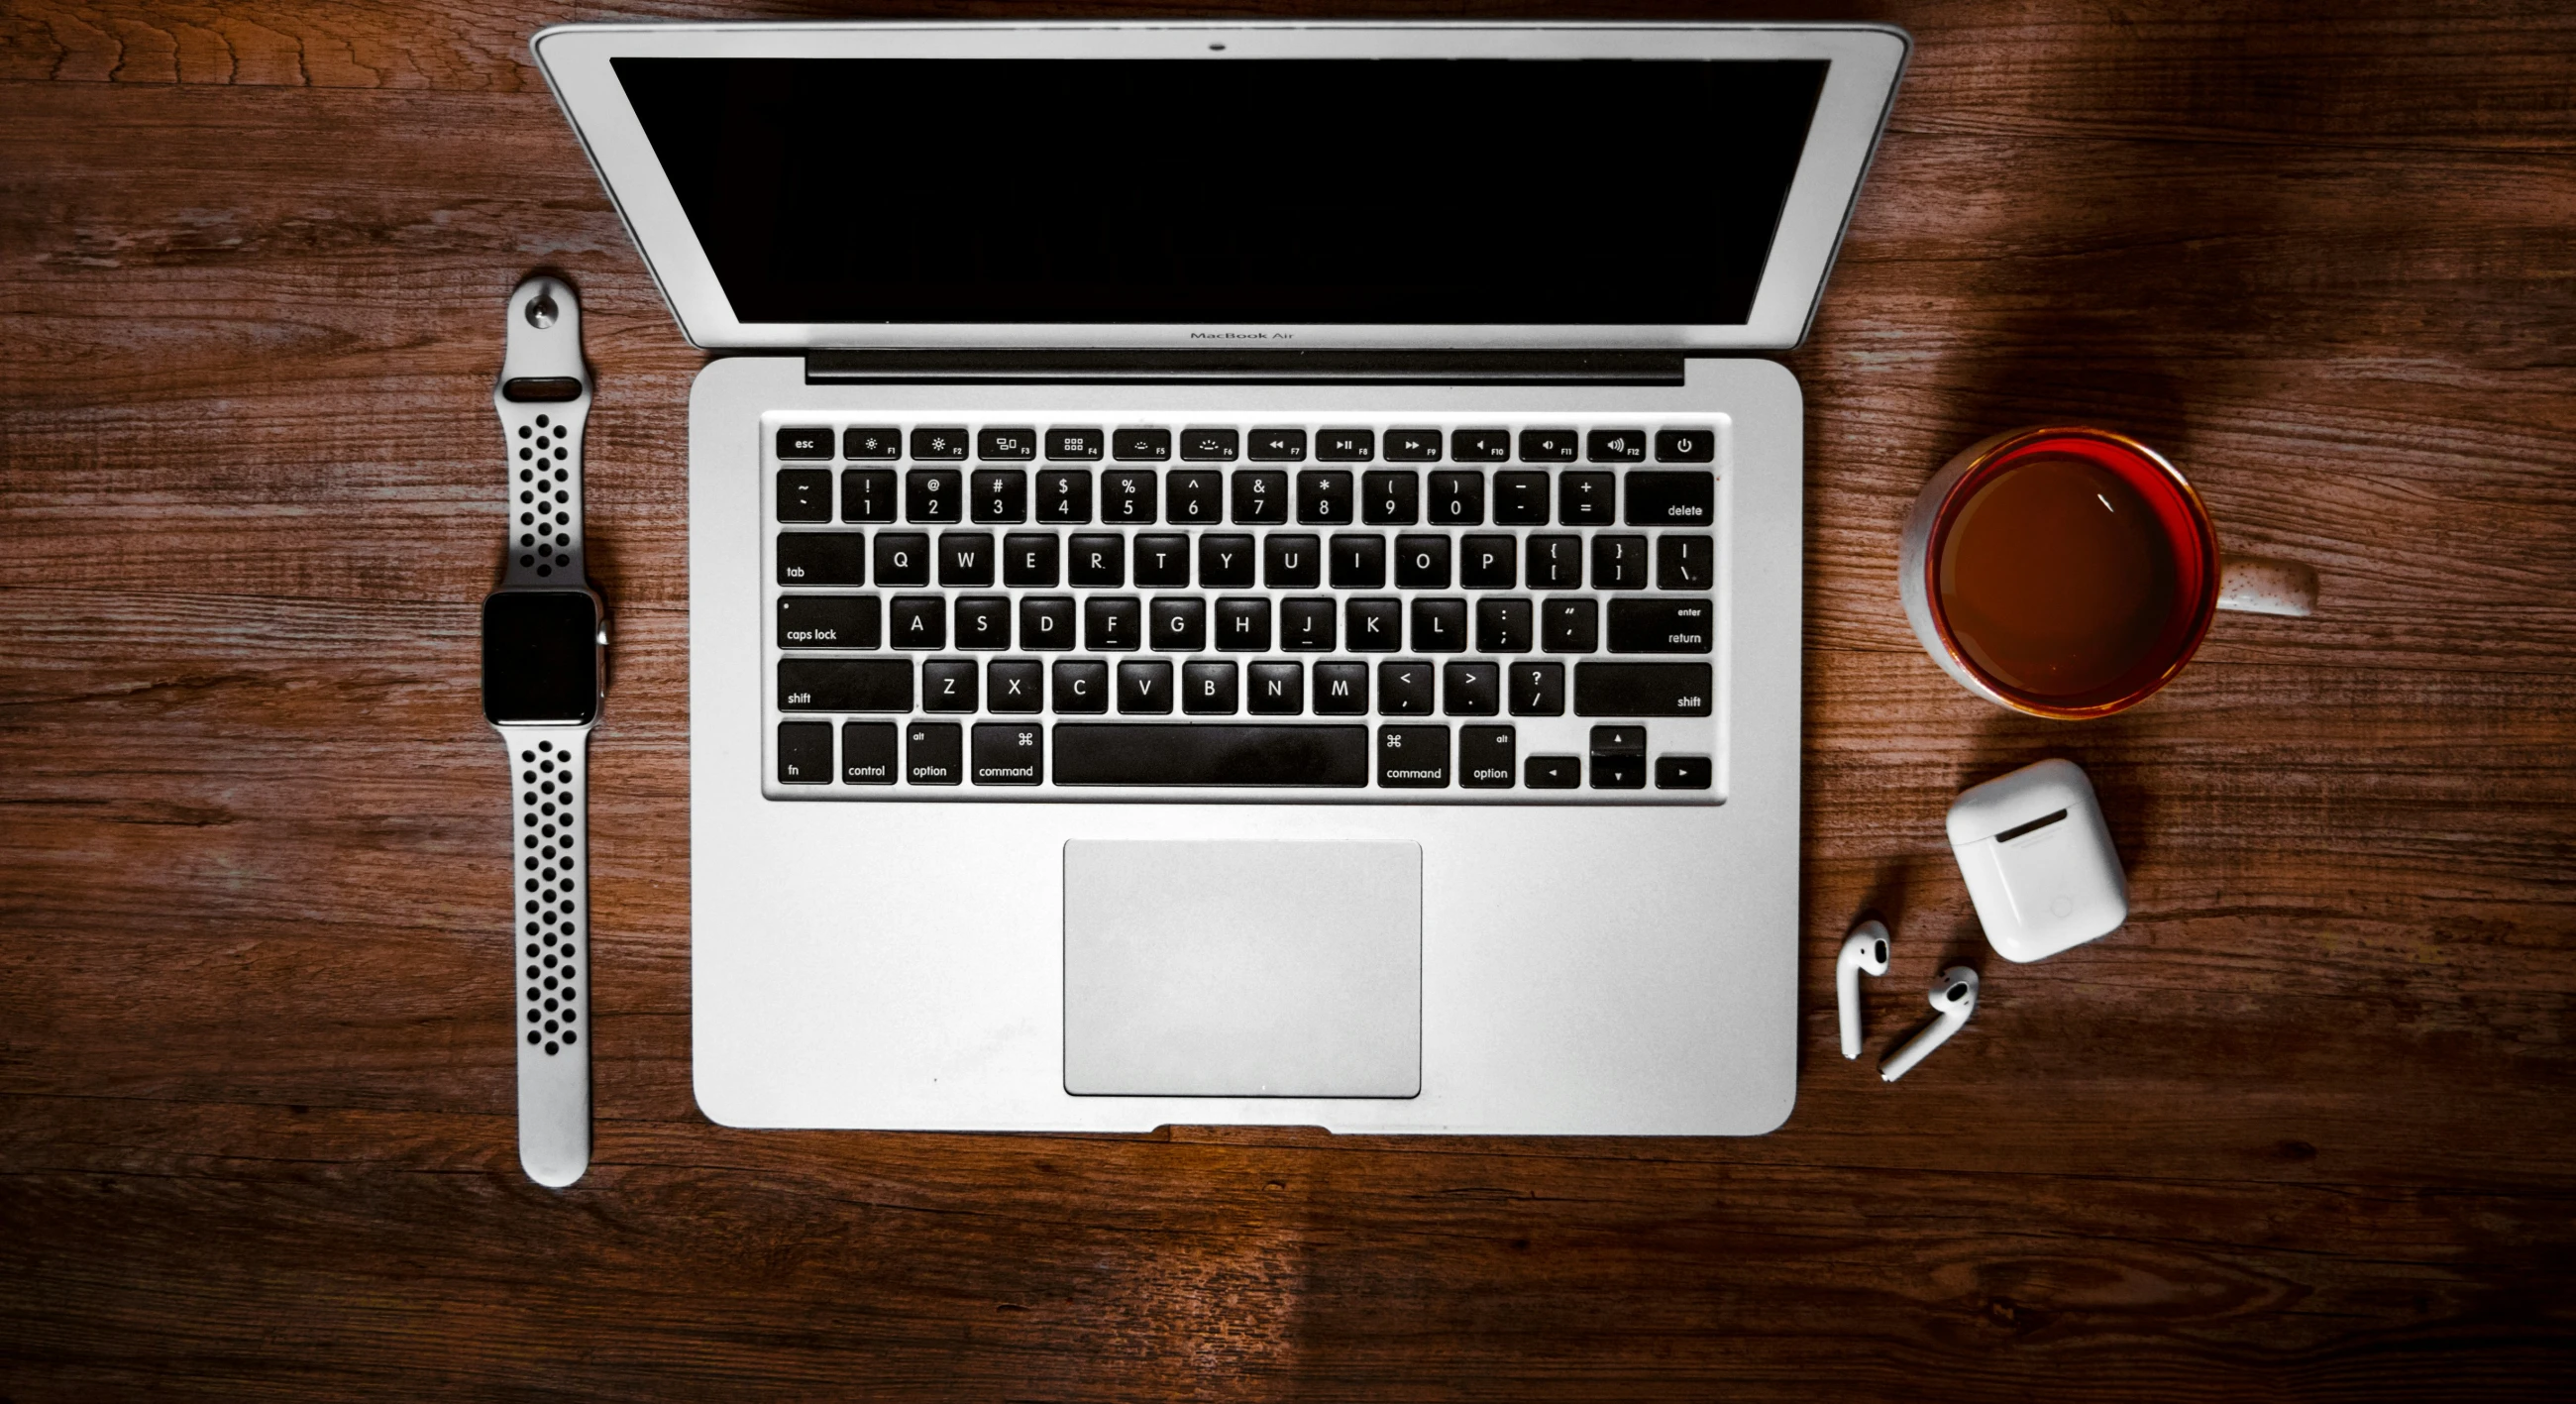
[550, 945]
[543, 398]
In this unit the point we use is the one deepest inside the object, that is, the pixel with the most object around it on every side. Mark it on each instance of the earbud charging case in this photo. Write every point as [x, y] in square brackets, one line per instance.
[2039, 861]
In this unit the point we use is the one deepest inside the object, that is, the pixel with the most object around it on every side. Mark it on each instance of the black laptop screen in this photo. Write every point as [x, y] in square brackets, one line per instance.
[1390, 191]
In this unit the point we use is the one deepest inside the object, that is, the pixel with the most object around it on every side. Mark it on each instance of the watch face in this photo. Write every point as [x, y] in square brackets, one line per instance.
[540, 657]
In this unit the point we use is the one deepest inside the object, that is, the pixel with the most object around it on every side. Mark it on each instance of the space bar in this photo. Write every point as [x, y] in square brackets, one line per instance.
[1121, 753]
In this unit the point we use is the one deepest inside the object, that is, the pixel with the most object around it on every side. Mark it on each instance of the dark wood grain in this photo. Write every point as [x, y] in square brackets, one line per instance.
[2300, 1131]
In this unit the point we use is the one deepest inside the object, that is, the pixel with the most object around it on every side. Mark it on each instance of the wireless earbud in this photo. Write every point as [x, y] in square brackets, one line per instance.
[1954, 999]
[1864, 949]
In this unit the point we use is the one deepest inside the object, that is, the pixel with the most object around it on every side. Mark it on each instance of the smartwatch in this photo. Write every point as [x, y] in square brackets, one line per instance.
[545, 672]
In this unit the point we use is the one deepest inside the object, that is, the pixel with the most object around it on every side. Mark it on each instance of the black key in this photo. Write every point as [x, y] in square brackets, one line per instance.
[1389, 498]
[1471, 689]
[948, 685]
[1487, 757]
[1029, 560]
[1663, 624]
[1290, 561]
[1585, 499]
[867, 494]
[1006, 444]
[1480, 445]
[1375, 625]
[1225, 561]
[1404, 688]
[804, 748]
[1569, 625]
[1162, 559]
[804, 494]
[1554, 772]
[1681, 772]
[1359, 562]
[1243, 624]
[1685, 446]
[1412, 445]
[1179, 623]
[1145, 685]
[1241, 754]
[1618, 562]
[939, 443]
[1064, 496]
[933, 752]
[1346, 445]
[1682, 562]
[1097, 560]
[810, 443]
[1504, 625]
[1520, 499]
[1000, 494]
[934, 495]
[1127, 496]
[1615, 446]
[1556, 562]
[829, 621]
[1440, 625]
[1458, 498]
[1197, 498]
[1112, 623]
[1618, 741]
[903, 558]
[1538, 689]
[1278, 689]
[917, 622]
[984, 622]
[1211, 445]
[1324, 497]
[1209, 689]
[867, 753]
[1260, 497]
[1081, 686]
[880, 443]
[844, 685]
[1488, 561]
[1306, 626]
[1643, 689]
[1413, 757]
[1046, 621]
[1141, 445]
[1010, 753]
[1012, 685]
[1422, 562]
[1547, 446]
[1672, 499]
[1278, 445]
[822, 558]
[1073, 445]
[965, 558]
[1341, 689]
[1618, 772]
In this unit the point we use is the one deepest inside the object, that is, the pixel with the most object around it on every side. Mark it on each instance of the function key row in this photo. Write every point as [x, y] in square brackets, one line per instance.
[1256, 496]
[1155, 445]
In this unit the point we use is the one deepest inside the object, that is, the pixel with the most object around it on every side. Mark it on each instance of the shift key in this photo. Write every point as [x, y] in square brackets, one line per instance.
[1643, 689]
[844, 685]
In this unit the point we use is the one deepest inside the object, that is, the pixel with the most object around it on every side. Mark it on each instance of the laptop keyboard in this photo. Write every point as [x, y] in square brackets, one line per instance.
[1394, 611]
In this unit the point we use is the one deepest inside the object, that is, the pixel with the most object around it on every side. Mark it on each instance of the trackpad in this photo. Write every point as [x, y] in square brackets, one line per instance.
[1242, 969]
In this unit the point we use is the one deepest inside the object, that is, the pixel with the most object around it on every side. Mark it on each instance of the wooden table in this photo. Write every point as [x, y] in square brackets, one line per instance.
[2301, 1130]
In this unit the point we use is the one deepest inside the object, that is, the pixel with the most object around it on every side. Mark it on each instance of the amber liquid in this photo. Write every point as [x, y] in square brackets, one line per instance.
[2058, 580]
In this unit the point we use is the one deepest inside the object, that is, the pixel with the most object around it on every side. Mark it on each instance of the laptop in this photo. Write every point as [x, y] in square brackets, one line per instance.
[1241, 573]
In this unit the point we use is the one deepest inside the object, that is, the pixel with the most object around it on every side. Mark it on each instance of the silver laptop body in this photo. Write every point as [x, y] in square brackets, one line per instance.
[1180, 636]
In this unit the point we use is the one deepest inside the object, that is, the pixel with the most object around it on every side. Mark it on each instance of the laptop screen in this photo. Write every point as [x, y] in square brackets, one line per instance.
[1345, 191]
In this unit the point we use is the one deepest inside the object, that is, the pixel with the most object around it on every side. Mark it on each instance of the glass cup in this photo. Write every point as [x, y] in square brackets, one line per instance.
[2032, 600]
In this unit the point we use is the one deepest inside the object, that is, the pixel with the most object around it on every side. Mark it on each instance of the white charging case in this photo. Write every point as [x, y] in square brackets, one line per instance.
[2039, 861]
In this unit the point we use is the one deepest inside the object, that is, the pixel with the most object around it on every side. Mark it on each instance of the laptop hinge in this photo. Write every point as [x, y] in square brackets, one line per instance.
[1247, 367]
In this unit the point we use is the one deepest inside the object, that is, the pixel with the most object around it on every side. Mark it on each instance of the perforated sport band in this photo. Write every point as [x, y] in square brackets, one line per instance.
[550, 885]
[544, 402]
